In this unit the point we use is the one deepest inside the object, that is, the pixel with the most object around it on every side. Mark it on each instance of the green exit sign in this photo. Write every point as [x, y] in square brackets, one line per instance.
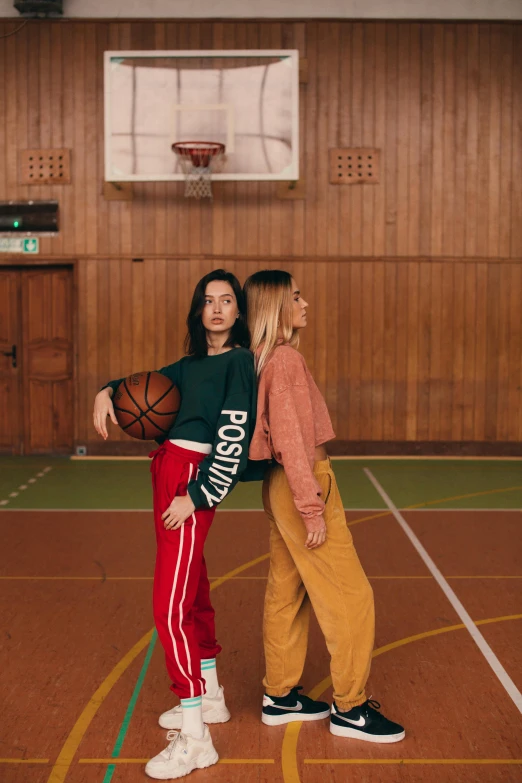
[29, 245]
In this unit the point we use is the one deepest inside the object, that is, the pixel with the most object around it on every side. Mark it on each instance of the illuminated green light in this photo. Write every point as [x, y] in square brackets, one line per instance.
[16, 223]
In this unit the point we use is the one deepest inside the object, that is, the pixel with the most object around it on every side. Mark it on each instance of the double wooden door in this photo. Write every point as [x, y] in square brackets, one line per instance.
[36, 360]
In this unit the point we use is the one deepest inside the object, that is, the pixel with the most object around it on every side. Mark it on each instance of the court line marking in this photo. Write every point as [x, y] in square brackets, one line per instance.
[383, 512]
[130, 709]
[63, 762]
[419, 458]
[32, 480]
[69, 748]
[480, 494]
[235, 578]
[144, 761]
[128, 714]
[472, 510]
[290, 773]
[65, 758]
[413, 761]
[506, 681]
[339, 457]
[291, 736]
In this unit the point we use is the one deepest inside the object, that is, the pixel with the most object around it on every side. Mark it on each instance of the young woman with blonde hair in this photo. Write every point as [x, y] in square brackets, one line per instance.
[313, 561]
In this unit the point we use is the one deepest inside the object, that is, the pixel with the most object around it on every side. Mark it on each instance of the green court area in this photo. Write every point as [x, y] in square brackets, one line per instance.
[59, 482]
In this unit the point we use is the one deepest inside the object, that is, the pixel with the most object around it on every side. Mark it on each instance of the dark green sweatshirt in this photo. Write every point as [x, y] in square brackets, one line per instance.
[218, 406]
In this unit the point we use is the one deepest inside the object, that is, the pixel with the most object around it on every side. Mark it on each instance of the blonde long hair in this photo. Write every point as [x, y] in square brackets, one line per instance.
[269, 309]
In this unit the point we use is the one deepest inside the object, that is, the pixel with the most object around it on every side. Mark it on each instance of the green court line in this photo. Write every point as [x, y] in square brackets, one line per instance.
[130, 709]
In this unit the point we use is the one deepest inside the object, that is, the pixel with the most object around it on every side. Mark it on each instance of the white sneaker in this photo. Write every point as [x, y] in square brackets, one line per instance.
[214, 711]
[182, 755]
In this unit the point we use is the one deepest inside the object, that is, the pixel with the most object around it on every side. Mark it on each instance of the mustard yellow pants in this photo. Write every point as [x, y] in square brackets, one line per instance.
[330, 579]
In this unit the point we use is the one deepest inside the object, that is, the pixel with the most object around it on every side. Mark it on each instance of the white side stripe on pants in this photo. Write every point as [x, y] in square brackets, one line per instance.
[180, 610]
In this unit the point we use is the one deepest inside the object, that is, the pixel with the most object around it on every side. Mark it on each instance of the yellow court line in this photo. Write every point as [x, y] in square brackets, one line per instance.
[464, 497]
[414, 506]
[72, 743]
[291, 737]
[413, 761]
[144, 761]
[488, 576]
[237, 578]
[82, 578]
[66, 755]
[415, 458]
[353, 457]
[238, 570]
[367, 519]
[24, 761]
[400, 577]
[387, 513]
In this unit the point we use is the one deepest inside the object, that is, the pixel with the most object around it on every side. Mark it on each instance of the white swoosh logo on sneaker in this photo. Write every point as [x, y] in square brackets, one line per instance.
[297, 708]
[360, 722]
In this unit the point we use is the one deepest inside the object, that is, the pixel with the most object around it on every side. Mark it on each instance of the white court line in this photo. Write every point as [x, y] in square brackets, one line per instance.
[476, 635]
[5, 502]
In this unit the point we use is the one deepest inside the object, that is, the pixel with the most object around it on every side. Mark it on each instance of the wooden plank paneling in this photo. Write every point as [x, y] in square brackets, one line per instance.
[415, 285]
[11, 409]
[47, 360]
[439, 99]
[403, 351]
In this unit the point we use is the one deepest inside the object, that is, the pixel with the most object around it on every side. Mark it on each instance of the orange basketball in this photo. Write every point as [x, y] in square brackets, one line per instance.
[146, 405]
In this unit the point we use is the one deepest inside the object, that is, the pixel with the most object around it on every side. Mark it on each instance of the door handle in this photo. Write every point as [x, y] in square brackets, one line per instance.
[13, 354]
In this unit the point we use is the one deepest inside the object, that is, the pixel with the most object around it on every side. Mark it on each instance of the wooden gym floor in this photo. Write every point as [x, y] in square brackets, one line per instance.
[82, 678]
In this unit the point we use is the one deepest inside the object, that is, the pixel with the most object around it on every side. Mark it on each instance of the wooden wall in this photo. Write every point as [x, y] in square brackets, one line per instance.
[414, 284]
[404, 350]
[442, 101]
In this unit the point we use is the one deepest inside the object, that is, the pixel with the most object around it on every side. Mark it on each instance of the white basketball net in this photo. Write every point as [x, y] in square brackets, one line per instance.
[198, 160]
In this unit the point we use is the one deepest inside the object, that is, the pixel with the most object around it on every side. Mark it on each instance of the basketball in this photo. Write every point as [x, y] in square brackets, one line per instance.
[146, 405]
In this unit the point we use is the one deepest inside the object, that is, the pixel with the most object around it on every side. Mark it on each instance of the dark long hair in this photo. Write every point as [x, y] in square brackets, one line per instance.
[196, 339]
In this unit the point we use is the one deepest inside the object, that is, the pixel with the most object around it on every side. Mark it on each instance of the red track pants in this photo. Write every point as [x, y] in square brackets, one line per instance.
[183, 613]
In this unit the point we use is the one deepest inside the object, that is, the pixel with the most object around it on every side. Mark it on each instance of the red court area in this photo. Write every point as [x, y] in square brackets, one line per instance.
[84, 684]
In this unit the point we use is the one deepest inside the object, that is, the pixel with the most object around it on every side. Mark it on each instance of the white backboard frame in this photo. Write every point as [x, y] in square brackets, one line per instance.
[290, 173]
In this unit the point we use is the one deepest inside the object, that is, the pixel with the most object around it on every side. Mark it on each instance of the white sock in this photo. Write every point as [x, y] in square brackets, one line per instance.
[209, 674]
[192, 717]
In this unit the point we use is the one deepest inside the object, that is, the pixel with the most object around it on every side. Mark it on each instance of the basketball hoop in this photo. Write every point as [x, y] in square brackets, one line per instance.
[198, 159]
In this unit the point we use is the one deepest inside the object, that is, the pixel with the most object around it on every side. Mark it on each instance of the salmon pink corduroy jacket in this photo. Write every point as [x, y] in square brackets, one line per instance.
[292, 419]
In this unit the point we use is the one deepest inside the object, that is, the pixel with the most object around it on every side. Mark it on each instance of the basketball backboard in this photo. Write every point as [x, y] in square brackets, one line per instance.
[246, 100]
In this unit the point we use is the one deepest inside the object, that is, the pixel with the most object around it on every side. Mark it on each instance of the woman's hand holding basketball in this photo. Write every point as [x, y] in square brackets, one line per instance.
[103, 407]
[179, 510]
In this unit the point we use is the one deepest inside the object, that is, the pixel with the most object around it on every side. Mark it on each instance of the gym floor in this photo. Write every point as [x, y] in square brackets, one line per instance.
[82, 676]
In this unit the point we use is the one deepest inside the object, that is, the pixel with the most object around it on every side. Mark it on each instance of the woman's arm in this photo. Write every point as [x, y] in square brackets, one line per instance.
[220, 471]
[292, 434]
[104, 407]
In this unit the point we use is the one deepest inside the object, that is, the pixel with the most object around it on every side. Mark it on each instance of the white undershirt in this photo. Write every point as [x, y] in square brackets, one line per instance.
[193, 445]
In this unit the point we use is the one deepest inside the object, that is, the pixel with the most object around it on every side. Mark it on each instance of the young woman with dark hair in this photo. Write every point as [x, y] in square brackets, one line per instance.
[193, 470]
[313, 562]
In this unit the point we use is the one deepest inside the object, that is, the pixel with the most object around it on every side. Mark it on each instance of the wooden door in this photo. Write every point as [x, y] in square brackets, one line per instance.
[40, 301]
[11, 429]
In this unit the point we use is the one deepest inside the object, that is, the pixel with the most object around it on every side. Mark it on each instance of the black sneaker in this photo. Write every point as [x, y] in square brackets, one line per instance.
[293, 707]
[365, 723]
